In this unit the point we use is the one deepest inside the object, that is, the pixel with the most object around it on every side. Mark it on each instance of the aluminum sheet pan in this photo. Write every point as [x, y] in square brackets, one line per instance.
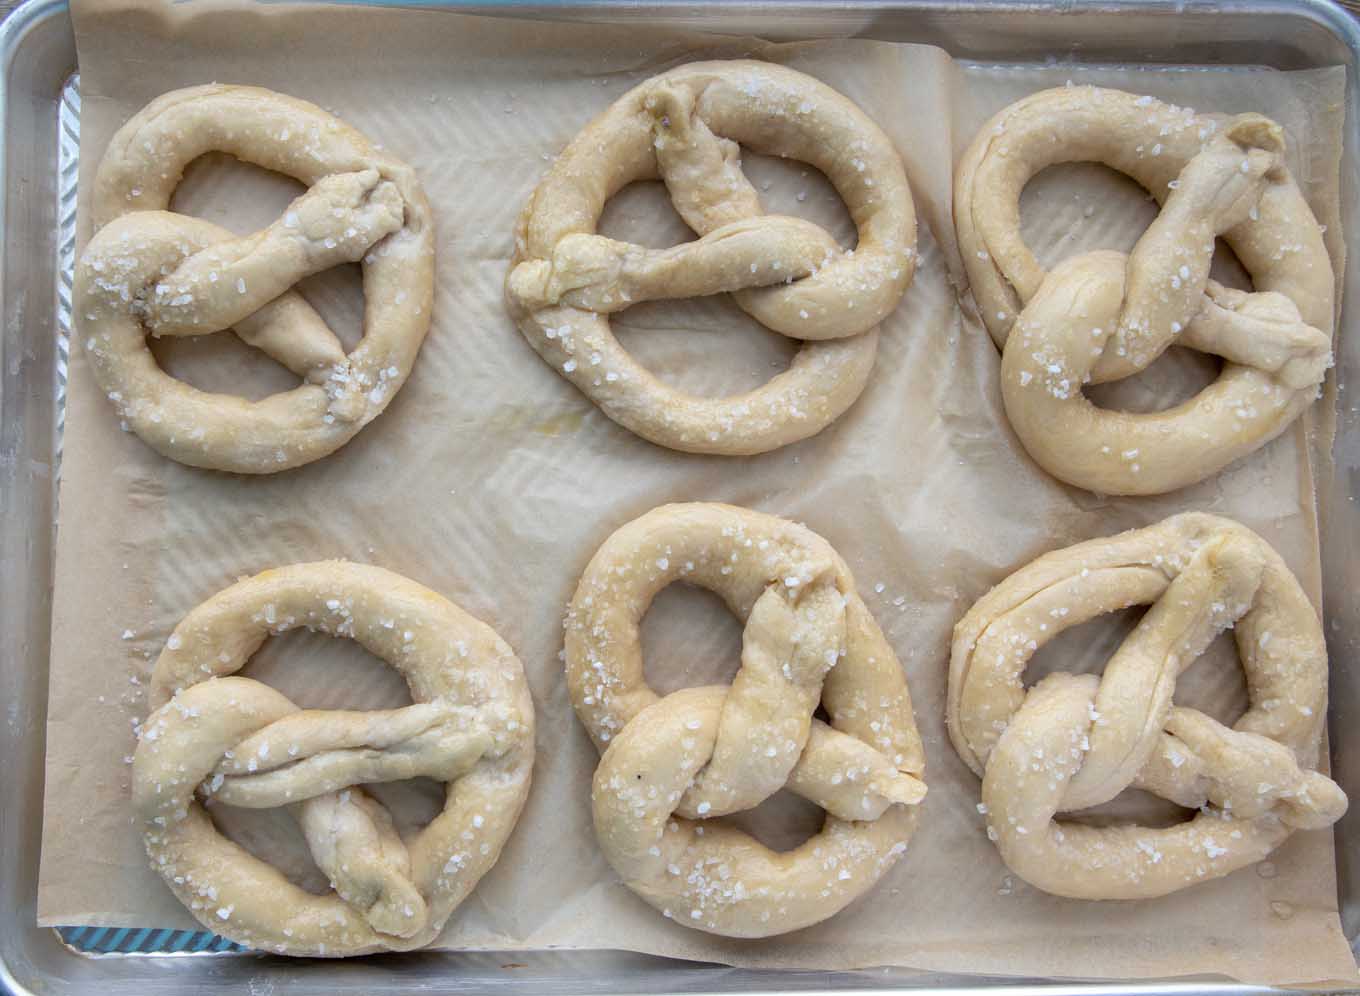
[39, 114]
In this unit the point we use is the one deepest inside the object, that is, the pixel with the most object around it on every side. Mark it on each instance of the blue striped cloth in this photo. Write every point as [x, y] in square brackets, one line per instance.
[143, 940]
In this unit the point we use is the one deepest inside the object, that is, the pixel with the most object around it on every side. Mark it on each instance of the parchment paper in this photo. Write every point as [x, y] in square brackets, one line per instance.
[493, 481]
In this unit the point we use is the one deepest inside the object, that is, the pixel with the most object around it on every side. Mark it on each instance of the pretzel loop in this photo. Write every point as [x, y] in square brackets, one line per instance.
[305, 755]
[671, 763]
[235, 741]
[148, 271]
[1102, 316]
[683, 127]
[1073, 742]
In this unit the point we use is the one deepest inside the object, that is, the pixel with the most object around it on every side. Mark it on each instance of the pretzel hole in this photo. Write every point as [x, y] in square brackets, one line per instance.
[1173, 378]
[245, 198]
[351, 676]
[642, 213]
[689, 638]
[273, 836]
[1083, 649]
[413, 802]
[782, 822]
[1132, 806]
[221, 364]
[1073, 208]
[708, 346]
[1214, 683]
[800, 190]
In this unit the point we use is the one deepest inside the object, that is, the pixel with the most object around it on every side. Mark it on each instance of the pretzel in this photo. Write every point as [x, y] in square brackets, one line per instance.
[238, 742]
[1104, 315]
[1074, 741]
[150, 271]
[672, 764]
[683, 127]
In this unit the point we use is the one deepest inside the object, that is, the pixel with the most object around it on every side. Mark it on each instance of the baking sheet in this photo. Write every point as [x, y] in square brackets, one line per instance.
[493, 481]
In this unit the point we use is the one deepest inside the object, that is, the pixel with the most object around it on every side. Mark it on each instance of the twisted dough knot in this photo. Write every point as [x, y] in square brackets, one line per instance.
[240, 743]
[701, 753]
[1075, 741]
[787, 273]
[1103, 315]
[150, 271]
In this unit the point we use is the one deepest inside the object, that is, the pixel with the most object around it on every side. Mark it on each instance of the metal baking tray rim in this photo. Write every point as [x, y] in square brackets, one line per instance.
[36, 40]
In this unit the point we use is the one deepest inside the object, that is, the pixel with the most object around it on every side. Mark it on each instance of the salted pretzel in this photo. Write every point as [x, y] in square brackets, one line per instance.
[1075, 741]
[684, 127]
[149, 271]
[238, 742]
[671, 765]
[1105, 315]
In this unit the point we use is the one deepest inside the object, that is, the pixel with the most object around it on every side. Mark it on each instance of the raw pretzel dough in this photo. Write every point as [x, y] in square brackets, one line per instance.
[683, 127]
[1104, 315]
[148, 270]
[670, 764]
[1074, 741]
[242, 743]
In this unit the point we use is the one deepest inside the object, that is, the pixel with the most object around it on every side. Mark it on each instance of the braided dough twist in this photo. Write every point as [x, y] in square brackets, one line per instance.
[150, 271]
[1074, 741]
[241, 743]
[1104, 315]
[683, 127]
[670, 764]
